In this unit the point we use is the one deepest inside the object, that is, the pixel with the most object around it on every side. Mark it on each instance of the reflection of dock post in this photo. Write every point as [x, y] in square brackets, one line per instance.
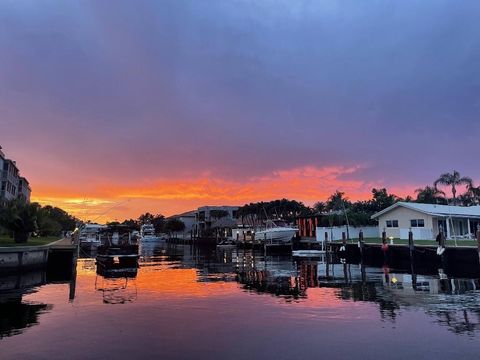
[73, 280]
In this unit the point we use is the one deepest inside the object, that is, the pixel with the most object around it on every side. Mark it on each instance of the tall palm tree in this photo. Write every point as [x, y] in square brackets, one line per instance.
[453, 179]
[430, 195]
[474, 194]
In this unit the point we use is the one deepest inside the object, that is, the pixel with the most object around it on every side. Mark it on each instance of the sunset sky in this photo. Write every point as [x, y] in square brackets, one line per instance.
[114, 108]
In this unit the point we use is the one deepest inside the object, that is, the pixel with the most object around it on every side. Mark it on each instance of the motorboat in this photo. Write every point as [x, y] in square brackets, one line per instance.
[89, 236]
[308, 253]
[273, 233]
[118, 249]
[147, 233]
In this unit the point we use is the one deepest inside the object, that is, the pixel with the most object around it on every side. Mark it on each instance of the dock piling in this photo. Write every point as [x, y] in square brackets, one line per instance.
[360, 242]
[478, 241]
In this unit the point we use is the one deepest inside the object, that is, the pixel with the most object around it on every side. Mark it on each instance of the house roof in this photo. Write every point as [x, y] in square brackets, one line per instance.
[185, 214]
[435, 210]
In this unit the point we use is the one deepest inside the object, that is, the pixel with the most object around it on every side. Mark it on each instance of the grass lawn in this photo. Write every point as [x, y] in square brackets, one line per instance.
[416, 242]
[6, 240]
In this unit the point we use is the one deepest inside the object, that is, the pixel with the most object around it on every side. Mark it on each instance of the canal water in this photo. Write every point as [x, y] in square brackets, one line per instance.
[185, 302]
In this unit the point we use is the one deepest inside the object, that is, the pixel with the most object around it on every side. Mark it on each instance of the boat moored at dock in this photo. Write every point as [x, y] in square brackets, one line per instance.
[147, 233]
[118, 248]
[273, 233]
[89, 236]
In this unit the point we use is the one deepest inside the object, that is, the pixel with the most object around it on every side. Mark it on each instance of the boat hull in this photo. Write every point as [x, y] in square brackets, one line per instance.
[276, 235]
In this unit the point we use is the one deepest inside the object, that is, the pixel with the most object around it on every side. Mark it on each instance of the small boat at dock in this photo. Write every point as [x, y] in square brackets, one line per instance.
[89, 236]
[273, 233]
[307, 253]
[118, 248]
[147, 233]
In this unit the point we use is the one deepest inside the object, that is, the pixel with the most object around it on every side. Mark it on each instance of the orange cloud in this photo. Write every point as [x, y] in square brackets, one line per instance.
[119, 201]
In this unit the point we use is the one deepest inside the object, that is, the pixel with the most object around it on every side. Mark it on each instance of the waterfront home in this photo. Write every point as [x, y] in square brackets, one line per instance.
[188, 218]
[426, 221]
[205, 216]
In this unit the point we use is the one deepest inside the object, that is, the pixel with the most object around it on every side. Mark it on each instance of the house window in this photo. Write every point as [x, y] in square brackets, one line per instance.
[417, 223]
[392, 223]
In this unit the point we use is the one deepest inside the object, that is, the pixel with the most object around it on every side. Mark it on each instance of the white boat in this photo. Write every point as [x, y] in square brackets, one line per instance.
[147, 233]
[89, 236]
[307, 253]
[274, 234]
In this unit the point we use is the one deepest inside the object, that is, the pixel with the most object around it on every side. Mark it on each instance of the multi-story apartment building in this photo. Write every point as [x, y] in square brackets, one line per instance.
[24, 189]
[10, 179]
[12, 186]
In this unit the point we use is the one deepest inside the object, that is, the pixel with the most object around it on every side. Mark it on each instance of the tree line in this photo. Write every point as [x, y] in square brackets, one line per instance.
[159, 222]
[20, 220]
[337, 210]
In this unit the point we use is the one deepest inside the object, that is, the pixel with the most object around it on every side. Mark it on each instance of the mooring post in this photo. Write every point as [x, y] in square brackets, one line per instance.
[360, 241]
[410, 241]
[344, 238]
[326, 242]
[384, 237]
[478, 241]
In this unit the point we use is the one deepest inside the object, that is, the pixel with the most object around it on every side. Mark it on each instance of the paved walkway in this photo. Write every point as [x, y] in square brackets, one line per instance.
[65, 243]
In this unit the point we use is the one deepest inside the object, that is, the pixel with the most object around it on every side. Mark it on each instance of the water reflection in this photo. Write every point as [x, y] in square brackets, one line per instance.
[16, 315]
[182, 276]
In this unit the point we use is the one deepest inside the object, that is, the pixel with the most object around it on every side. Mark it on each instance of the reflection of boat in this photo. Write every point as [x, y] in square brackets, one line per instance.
[117, 270]
[147, 233]
[116, 290]
[118, 248]
[275, 234]
[89, 236]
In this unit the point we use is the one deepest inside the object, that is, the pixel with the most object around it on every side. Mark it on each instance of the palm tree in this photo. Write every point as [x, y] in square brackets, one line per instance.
[20, 218]
[473, 193]
[453, 179]
[430, 195]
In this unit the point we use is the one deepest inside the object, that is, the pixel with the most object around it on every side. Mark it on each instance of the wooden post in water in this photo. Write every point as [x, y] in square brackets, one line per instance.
[360, 242]
[344, 238]
[478, 241]
[384, 246]
[326, 243]
[410, 241]
[265, 243]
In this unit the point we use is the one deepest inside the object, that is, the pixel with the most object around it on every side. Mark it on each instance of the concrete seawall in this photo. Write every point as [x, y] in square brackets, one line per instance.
[22, 258]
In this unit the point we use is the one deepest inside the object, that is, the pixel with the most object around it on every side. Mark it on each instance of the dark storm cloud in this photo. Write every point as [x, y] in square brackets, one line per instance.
[241, 88]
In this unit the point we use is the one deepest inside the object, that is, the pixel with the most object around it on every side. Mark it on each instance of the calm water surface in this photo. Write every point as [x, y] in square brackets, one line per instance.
[190, 303]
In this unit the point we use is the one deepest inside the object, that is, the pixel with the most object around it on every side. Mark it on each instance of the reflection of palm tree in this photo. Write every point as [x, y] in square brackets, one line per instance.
[453, 179]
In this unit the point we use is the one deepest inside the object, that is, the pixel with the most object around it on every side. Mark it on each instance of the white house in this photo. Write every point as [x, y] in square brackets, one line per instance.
[426, 221]
[188, 218]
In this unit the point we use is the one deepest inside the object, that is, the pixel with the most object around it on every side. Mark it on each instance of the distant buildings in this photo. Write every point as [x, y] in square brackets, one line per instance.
[13, 186]
[208, 217]
[188, 218]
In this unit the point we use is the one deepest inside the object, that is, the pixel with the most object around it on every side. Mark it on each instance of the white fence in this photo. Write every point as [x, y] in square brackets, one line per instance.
[335, 233]
[418, 234]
